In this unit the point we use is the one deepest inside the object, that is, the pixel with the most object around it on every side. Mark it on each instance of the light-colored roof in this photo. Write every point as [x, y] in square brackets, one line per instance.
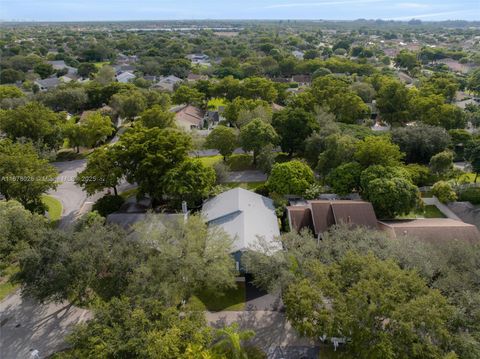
[431, 229]
[245, 215]
[125, 76]
[48, 83]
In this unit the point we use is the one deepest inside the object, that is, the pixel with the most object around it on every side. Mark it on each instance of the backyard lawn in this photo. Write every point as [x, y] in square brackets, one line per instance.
[210, 160]
[429, 211]
[232, 299]
[54, 208]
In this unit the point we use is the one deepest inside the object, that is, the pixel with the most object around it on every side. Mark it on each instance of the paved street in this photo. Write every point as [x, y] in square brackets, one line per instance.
[246, 176]
[27, 325]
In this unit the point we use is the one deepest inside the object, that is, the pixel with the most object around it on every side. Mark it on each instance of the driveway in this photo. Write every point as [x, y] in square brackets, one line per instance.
[272, 328]
[26, 325]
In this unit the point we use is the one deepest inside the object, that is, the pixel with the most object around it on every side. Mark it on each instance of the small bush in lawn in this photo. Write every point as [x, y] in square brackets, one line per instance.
[444, 192]
[108, 204]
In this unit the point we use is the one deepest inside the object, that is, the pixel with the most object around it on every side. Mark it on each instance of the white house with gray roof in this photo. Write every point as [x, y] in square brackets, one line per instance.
[246, 216]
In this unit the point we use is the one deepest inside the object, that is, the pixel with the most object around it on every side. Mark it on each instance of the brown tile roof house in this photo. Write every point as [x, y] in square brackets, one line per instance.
[188, 117]
[320, 215]
[431, 229]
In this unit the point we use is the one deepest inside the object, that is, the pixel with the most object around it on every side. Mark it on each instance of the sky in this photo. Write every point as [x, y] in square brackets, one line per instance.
[97, 10]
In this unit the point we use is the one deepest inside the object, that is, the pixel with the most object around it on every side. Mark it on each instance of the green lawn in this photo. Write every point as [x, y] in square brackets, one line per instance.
[239, 162]
[6, 287]
[214, 103]
[54, 207]
[210, 160]
[232, 299]
[429, 211]
[100, 64]
[467, 178]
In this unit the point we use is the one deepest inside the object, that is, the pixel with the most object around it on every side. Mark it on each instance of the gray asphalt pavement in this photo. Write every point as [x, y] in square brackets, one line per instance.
[26, 325]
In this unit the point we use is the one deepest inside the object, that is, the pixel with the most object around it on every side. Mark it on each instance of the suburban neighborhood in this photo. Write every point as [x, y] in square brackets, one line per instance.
[240, 189]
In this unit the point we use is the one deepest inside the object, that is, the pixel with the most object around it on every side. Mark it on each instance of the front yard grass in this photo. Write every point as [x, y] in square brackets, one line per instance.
[210, 160]
[232, 299]
[54, 208]
[6, 287]
[237, 162]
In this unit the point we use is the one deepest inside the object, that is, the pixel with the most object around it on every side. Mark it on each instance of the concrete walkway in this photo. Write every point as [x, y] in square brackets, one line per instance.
[272, 328]
[26, 325]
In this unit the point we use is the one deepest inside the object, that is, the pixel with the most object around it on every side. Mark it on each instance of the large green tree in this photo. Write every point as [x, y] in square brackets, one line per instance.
[294, 125]
[293, 177]
[35, 122]
[23, 175]
[224, 139]
[146, 155]
[256, 135]
[157, 116]
[382, 310]
[102, 171]
[378, 150]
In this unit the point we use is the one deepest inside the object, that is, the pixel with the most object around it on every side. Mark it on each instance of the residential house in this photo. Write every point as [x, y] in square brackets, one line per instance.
[302, 80]
[246, 216]
[199, 59]
[188, 117]
[60, 65]
[48, 83]
[433, 230]
[125, 77]
[298, 54]
[167, 83]
[320, 215]
[196, 77]
[126, 59]
[123, 68]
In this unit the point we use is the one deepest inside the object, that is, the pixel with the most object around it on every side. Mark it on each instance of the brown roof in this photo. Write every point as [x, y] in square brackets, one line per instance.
[322, 214]
[325, 214]
[431, 229]
[190, 114]
[300, 217]
[355, 212]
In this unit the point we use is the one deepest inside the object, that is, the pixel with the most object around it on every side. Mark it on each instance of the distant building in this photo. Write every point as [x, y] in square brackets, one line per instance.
[125, 77]
[189, 117]
[302, 80]
[60, 65]
[167, 83]
[196, 77]
[48, 83]
[298, 54]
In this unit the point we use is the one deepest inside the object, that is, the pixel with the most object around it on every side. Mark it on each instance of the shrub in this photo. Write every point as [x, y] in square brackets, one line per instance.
[471, 195]
[444, 192]
[108, 204]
